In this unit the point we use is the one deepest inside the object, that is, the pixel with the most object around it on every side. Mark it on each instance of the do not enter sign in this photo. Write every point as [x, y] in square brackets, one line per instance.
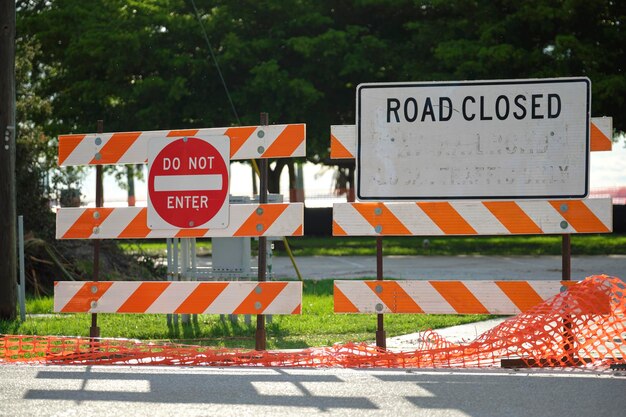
[188, 182]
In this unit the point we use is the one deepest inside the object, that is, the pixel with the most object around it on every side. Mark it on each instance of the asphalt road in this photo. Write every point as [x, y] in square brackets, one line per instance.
[448, 267]
[158, 391]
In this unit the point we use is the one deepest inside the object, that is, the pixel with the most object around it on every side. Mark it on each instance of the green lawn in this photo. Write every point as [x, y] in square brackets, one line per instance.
[317, 326]
[593, 244]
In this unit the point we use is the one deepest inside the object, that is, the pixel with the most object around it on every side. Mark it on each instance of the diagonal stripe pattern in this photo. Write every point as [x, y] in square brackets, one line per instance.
[443, 297]
[180, 297]
[246, 220]
[247, 142]
[473, 217]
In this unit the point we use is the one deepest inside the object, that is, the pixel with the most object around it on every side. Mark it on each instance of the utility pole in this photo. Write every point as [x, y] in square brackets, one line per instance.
[8, 251]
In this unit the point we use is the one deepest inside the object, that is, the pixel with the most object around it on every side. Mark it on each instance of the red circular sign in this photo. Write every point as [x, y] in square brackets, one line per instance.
[188, 182]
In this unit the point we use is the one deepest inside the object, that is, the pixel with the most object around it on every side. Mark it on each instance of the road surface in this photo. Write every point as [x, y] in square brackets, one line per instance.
[160, 391]
[446, 267]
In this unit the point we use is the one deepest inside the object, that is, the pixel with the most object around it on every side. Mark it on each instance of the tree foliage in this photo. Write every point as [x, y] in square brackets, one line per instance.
[145, 65]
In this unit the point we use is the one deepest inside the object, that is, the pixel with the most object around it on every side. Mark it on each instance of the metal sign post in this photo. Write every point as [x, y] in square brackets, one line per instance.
[381, 338]
[260, 318]
[94, 330]
[22, 287]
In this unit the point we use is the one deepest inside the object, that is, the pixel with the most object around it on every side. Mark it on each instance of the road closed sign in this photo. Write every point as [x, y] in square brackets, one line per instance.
[505, 139]
[188, 182]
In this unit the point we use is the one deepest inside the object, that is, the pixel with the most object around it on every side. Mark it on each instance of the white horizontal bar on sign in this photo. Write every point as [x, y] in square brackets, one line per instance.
[343, 138]
[435, 218]
[246, 142]
[187, 182]
[246, 220]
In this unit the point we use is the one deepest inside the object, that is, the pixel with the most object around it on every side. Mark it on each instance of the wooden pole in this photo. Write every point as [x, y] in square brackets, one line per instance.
[8, 215]
[262, 271]
[381, 336]
[566, 258]
[94, 330]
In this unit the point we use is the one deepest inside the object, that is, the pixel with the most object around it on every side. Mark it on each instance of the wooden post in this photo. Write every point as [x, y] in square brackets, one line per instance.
[566, 258]
[566, 275]
[381, 336]
[260, 318]
[94, 330]
[8, 215]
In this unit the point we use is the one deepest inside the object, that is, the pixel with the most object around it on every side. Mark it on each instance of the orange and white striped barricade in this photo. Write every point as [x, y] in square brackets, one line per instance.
[449, 297]
[180, 297]
[249, 142]
[343, 138]
[439, 218]
[448, 217]
[244, 220]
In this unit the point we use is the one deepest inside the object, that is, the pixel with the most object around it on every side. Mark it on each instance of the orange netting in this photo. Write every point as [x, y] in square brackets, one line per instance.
[584, 325]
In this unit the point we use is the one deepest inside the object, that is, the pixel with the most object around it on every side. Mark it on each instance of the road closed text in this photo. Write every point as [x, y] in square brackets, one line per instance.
[474, 108]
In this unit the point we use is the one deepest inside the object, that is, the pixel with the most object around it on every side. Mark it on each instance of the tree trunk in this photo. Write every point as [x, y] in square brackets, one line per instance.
[130, 178]
[273, 185]
[8, 251]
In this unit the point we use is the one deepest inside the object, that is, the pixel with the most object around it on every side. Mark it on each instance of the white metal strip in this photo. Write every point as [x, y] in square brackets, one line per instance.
[287, 301]
[350, 220]
[286, 223]
[187, 182]
[414, 219]
[427, 297]
[116, 296]
[64, 292]
[480, 218]
[172, 297]
[546, 289]
[492, 297]
[544, 216]
[232, 296]
[361, 296]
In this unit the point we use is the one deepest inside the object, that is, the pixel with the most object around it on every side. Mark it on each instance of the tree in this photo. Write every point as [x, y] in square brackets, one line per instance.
[8, 260]
[144, 65]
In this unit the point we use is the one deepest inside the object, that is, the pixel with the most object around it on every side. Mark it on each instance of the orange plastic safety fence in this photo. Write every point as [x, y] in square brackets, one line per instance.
[584, 325]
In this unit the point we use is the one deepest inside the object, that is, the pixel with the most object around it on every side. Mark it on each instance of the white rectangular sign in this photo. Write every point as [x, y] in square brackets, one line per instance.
[505, 139]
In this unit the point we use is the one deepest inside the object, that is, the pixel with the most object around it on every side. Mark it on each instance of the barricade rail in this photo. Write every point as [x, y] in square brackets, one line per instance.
[241, 220]
[180, 297]
[533, 338]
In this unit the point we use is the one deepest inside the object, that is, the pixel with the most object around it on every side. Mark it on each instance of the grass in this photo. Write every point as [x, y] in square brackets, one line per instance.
[317, 326]
[593, 244]
[597, 244]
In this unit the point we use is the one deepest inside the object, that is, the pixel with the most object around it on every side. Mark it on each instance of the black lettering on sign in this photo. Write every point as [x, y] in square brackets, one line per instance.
[479, 107]
[502, 110]
[521, 107]
[554, 112]
[482, 110]
[466, 115]
[393, 105]
[428, 110]
[410, 105]
[535, 106]
[443, 117]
